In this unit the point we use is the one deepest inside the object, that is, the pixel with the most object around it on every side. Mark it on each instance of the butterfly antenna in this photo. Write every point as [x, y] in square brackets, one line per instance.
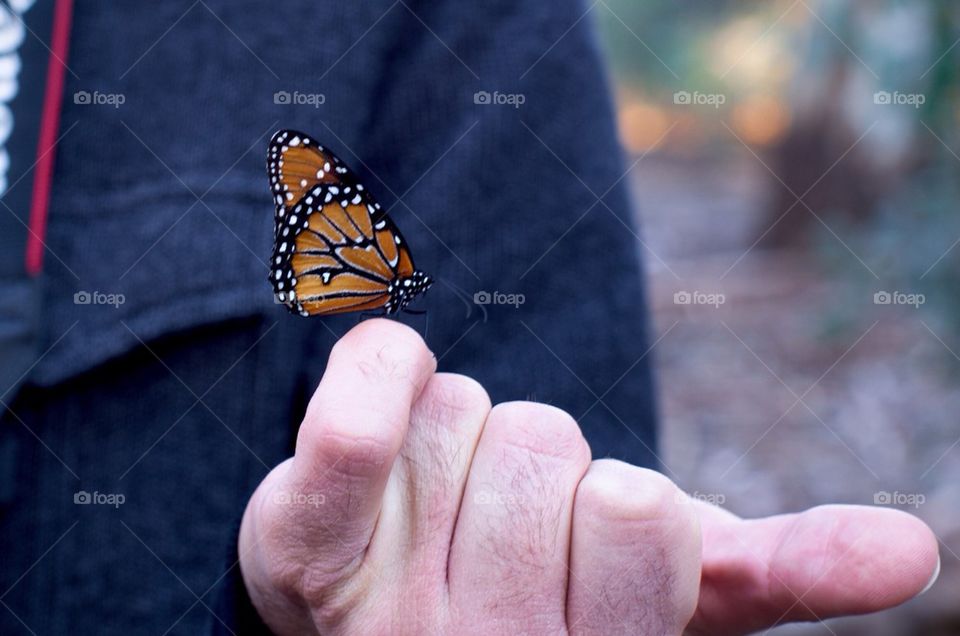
[465, 298]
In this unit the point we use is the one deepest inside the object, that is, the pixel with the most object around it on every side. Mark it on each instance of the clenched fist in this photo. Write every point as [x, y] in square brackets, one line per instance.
[411, 506]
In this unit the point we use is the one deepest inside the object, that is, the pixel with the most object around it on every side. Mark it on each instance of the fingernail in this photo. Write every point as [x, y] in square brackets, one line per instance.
[933, 579]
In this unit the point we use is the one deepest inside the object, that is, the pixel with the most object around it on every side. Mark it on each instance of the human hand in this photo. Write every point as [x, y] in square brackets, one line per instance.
[410, 506]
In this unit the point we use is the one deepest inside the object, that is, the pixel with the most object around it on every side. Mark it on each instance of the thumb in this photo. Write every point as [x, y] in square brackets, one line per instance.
[825, 562]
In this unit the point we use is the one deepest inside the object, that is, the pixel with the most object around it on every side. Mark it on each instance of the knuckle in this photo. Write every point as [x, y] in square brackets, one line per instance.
[615, 491]
[449, 397]
[539, 429]
[335, 446]
[354, 456]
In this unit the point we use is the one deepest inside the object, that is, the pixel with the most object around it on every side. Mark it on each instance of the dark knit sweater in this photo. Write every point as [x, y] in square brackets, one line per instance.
[181, 398]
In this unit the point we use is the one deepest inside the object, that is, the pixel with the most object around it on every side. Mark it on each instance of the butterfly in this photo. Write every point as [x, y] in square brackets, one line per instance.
[335, 249]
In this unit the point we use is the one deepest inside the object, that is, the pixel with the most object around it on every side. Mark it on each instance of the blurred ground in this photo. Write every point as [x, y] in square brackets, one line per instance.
[798, 390]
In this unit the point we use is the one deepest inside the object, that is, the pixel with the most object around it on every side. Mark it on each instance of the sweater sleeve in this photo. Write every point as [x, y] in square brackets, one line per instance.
[498, 134]
[488, 133]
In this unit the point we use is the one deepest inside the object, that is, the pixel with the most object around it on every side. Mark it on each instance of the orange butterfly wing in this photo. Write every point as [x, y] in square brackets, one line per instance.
[336, 250]
[296, 163]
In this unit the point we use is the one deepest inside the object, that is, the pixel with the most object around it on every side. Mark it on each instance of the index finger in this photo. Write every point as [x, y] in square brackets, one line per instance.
[355, 425]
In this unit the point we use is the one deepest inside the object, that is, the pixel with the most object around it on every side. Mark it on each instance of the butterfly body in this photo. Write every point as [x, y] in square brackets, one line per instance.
[406, 289]
[335, 249]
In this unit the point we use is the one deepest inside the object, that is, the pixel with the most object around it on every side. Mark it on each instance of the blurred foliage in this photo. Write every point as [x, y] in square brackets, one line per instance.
[637, 33]
[814, 68]
[911, 236]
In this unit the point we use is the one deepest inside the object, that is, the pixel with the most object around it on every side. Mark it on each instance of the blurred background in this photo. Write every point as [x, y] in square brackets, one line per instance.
[794, 166]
